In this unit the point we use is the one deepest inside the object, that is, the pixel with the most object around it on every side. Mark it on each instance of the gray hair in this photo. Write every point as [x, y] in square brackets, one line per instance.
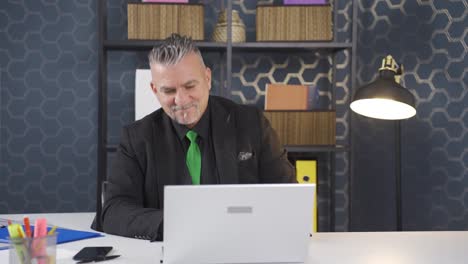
[172, 50]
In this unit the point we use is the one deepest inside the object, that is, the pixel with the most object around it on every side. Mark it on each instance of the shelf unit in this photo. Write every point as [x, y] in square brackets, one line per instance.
[131, 45]
[105, 45]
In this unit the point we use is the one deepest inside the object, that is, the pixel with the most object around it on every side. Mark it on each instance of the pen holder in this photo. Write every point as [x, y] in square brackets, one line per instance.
[37, 250]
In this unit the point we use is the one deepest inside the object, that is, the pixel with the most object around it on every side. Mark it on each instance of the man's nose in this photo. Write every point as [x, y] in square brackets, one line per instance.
[181, 97]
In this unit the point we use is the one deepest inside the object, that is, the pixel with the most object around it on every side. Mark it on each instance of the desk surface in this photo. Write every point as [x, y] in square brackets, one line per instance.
[325, 248]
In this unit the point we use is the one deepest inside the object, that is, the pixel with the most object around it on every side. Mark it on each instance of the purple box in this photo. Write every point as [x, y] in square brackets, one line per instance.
[305, 2]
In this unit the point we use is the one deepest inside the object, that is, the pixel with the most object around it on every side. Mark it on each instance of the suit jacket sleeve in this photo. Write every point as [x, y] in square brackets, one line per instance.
[274, 166]
[123, 211]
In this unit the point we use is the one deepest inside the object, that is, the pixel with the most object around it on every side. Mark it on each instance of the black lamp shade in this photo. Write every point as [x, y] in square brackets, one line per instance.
[384, 99]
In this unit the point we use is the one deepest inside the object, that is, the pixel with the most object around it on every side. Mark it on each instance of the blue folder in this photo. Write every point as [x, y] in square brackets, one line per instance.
[63, 235]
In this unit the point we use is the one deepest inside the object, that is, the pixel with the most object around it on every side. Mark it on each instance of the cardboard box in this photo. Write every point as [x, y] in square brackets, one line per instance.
[286, 97]
[153, 21]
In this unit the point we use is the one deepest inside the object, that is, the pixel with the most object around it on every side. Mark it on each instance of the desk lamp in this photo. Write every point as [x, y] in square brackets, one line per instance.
[386, 99]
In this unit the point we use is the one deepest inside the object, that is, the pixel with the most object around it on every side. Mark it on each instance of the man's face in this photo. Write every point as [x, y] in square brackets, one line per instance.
[182, 89]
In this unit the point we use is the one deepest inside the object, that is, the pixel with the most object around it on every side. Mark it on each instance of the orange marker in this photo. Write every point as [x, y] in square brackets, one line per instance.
[27, 226]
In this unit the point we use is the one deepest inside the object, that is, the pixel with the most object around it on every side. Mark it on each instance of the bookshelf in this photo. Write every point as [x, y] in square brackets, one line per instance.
[227, 51]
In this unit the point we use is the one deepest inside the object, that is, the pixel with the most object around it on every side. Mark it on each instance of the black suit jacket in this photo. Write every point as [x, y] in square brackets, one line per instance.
[246, 150]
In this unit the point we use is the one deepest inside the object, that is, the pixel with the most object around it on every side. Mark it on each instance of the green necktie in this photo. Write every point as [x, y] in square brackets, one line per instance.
[193, 158]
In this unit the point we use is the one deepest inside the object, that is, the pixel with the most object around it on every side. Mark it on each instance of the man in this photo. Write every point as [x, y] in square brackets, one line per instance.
[194, 139]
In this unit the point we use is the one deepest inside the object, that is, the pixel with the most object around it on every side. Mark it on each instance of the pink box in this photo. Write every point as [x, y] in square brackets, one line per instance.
[166, 1]
[304, 2]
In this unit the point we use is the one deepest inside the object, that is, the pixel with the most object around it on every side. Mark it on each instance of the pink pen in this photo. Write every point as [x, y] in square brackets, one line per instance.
[39, 245]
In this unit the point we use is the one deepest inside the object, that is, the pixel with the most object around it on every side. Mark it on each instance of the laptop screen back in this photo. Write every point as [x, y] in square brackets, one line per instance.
[259, 223]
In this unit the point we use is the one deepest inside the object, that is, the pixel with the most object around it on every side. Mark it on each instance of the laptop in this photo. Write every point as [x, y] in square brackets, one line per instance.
[250, 223]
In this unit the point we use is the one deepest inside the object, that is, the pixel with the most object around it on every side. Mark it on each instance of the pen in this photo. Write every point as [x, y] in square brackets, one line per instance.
[52, 231]
[27, 226]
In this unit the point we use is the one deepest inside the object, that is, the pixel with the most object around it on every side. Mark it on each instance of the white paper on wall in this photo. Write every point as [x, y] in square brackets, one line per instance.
[146, 101]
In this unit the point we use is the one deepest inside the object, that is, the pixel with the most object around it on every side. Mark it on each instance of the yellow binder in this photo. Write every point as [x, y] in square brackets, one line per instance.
[306, 172]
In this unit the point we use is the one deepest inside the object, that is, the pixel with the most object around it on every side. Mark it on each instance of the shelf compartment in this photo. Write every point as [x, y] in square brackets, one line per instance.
[131, 45]
[304, 127]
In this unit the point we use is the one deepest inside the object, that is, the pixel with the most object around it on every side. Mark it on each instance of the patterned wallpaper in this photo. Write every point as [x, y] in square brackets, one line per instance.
[430, 39]
[48, 104]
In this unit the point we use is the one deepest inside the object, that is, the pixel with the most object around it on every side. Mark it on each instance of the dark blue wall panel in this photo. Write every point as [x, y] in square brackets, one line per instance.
[48, 105]
[429, 39]
[48, 118]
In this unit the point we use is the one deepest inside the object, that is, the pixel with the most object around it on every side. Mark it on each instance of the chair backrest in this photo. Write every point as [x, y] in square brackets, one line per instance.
[104, 185]
[97, 223]
[145, 101]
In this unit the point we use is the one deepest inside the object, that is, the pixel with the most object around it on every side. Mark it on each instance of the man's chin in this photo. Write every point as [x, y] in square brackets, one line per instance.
[188, 117]
[187, 122]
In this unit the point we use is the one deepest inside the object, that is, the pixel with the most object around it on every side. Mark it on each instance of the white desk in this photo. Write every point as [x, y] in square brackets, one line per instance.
[325, 248]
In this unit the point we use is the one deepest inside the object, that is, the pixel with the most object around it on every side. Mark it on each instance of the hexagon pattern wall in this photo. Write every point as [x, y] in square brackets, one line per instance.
[48, 55]
[430, 39]
[48, 98]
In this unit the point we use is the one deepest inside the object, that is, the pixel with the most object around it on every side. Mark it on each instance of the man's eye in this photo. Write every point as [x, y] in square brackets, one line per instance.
[190, 86]
[169, 91]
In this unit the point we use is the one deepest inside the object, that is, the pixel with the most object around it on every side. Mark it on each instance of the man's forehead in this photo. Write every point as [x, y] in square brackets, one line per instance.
[164, 83]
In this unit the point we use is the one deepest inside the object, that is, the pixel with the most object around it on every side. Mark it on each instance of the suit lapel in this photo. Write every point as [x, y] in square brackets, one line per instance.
[223, 131]
[167, 160]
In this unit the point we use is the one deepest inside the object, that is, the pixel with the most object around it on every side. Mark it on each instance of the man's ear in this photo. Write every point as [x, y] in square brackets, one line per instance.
[153, 87]
[208, 77]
